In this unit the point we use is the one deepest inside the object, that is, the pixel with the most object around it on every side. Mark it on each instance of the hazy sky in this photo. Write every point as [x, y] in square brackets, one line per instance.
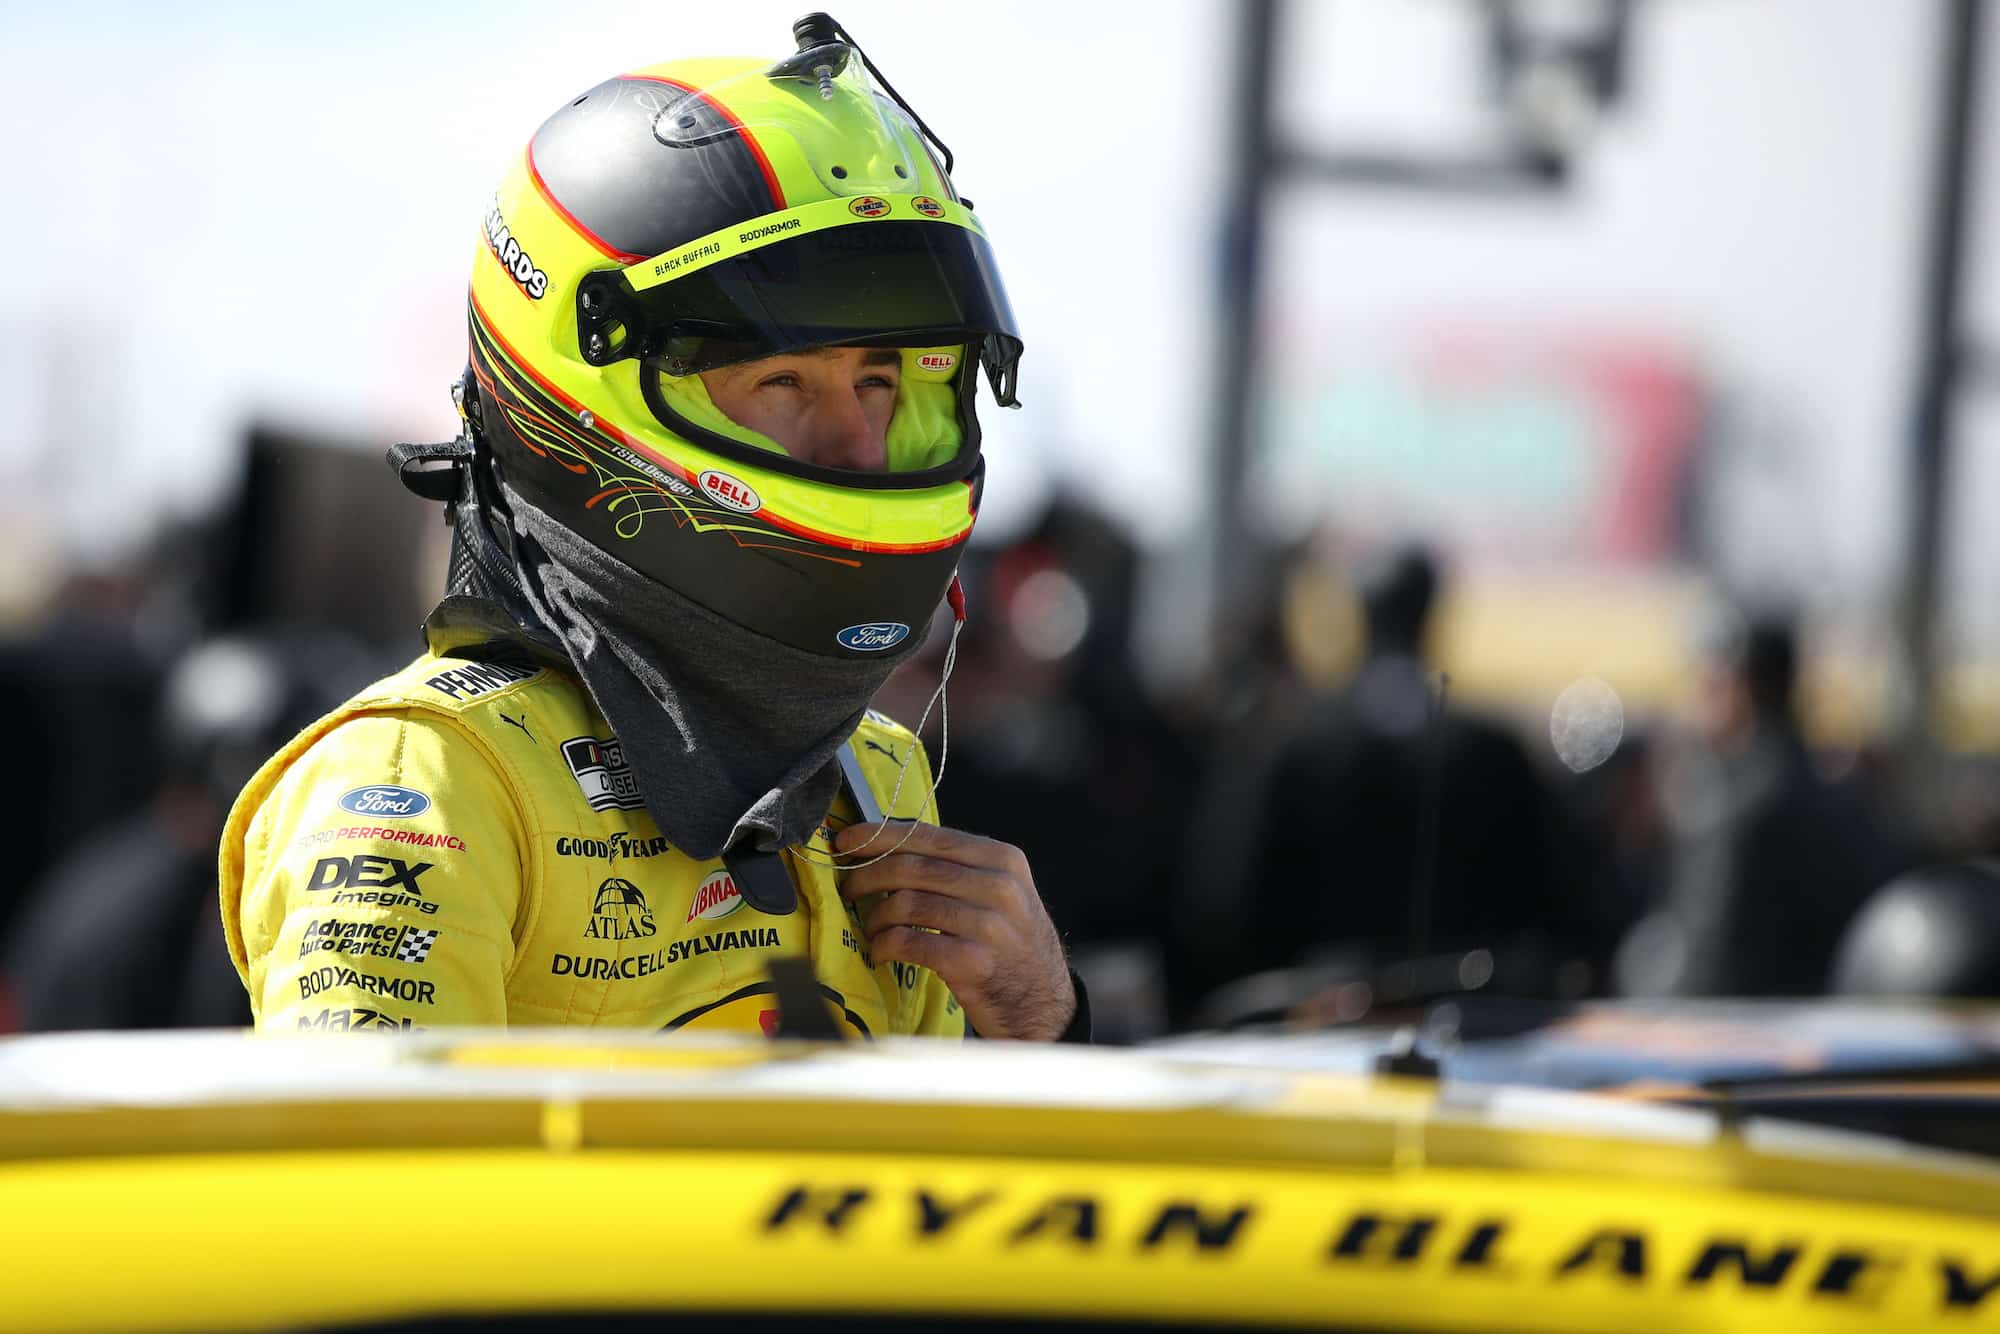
[220, 211]
[269, 210]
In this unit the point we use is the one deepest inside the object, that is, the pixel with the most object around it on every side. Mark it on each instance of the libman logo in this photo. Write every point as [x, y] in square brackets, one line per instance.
[728, 492]
[715, 897]
[512, 258]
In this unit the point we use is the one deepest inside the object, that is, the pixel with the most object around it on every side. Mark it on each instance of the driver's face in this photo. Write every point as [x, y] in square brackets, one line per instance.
[830, 406]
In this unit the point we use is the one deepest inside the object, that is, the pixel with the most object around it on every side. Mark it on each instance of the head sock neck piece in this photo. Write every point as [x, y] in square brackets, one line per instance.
[732, 737]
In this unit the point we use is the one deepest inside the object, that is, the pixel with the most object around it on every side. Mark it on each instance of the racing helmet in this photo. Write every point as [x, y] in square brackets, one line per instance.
[692, 215]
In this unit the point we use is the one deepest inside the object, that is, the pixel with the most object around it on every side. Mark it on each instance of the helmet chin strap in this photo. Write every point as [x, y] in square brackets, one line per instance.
[850, 766]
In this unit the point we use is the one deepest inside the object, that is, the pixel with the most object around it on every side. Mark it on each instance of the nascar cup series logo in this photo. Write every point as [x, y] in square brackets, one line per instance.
[729, 492]
[715, 897]
[873, 637]
[385, 802]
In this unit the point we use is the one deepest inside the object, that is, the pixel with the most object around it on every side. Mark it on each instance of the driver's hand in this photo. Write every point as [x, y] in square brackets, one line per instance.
[990, 938]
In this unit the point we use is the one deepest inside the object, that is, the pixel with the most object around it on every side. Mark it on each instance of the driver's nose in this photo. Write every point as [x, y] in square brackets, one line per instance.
[843, 436]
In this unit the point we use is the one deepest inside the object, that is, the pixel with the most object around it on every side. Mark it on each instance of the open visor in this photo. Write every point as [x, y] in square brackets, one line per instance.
[780, 284]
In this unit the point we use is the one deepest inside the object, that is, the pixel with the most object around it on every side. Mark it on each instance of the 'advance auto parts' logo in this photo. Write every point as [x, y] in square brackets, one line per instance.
[729, 493]
[715, 897]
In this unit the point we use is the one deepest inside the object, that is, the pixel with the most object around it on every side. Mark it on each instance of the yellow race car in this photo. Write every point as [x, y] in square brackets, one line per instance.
[563, 1180]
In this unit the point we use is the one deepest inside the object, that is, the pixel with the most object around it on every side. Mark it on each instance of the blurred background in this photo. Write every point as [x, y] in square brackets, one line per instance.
[1506, 495]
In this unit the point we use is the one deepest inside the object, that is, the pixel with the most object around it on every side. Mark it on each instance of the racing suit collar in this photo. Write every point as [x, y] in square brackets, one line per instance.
[733, 738]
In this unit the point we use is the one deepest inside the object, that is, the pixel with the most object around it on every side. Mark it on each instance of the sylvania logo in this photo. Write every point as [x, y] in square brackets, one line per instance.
[512, 258]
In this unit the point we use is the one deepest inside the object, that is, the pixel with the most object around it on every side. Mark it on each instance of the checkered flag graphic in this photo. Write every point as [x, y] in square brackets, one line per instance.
[415, 945]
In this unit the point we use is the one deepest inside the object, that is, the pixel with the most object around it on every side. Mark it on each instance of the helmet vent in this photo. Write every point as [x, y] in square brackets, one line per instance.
[840, 173]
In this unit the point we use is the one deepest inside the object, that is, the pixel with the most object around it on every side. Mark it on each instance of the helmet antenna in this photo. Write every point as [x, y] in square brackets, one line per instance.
[816, 30]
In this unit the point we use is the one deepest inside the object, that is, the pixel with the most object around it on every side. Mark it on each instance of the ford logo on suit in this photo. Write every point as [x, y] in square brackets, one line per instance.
[384, 802]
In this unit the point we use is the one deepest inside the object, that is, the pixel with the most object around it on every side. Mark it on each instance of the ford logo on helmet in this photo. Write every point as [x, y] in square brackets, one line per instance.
[874, 636]
[385, 802]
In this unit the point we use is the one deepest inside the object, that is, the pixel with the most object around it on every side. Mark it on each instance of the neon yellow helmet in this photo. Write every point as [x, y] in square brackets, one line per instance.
[694, 214]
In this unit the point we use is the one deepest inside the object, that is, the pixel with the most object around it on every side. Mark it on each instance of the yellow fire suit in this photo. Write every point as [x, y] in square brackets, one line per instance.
[463, 843]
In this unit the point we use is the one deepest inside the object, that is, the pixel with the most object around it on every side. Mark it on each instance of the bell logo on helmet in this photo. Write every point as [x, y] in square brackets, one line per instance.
[512, 258]
[937, 361]
[726, 491]
[927, 206]
[874, 636]
[868, 206]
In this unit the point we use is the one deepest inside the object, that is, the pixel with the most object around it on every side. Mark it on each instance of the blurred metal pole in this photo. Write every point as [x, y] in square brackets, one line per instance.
[1250, 168]
[1940, 350]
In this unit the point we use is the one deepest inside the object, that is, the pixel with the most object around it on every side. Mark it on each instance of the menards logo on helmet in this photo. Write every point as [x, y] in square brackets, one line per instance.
[512, 258]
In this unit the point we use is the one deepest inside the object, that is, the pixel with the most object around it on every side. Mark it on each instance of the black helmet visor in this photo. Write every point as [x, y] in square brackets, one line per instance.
[887, 282]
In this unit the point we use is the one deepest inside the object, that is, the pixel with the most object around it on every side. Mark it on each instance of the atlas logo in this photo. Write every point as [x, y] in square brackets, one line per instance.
[715, 897]
[927, 206]
[364, 871]
[620, 912]
[512, 258]
[385, 803]
[728, 492]
[873, 637]
[868, 206]
[937, 361]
